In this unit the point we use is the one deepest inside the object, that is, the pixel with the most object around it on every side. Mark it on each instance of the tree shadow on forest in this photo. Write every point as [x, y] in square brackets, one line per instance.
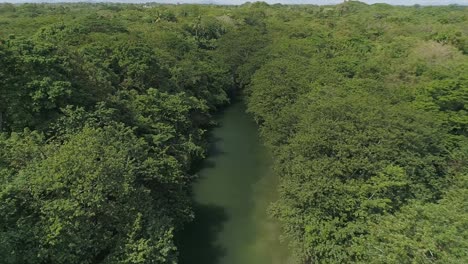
[197, 243]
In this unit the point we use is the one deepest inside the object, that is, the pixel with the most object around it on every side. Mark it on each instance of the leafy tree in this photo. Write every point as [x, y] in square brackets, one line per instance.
[87, 200]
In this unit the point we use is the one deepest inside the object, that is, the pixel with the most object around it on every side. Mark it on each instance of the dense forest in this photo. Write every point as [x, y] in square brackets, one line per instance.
[105, 108]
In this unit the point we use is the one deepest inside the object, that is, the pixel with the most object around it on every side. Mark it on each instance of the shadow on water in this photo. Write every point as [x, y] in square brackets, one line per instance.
[199, 242]
[213, 152]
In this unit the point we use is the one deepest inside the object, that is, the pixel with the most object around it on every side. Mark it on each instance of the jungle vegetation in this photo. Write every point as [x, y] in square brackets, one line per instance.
[104, 110]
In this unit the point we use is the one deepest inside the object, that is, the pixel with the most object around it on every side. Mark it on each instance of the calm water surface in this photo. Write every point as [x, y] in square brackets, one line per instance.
[232, 195]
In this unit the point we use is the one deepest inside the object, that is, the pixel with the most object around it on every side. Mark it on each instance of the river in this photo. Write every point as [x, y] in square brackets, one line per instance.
[231, 197]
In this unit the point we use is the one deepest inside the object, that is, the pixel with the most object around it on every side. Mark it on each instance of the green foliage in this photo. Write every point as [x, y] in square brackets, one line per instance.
[363, 120]
[423, 232]
[101, 121]
[81, 196]
[104, 109]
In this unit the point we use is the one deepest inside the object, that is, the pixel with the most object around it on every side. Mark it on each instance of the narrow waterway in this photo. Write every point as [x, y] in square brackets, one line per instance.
[232, 196]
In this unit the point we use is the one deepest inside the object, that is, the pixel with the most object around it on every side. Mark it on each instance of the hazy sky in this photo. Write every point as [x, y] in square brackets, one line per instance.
[395, 2]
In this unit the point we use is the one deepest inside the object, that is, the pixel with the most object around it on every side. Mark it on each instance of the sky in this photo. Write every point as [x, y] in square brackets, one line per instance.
[237, 2]
[394, 2]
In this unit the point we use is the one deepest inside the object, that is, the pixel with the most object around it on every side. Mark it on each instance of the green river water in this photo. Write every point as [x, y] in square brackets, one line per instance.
[231, 196]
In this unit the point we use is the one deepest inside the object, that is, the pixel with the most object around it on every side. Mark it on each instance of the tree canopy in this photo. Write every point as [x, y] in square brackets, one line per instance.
[104, 110]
